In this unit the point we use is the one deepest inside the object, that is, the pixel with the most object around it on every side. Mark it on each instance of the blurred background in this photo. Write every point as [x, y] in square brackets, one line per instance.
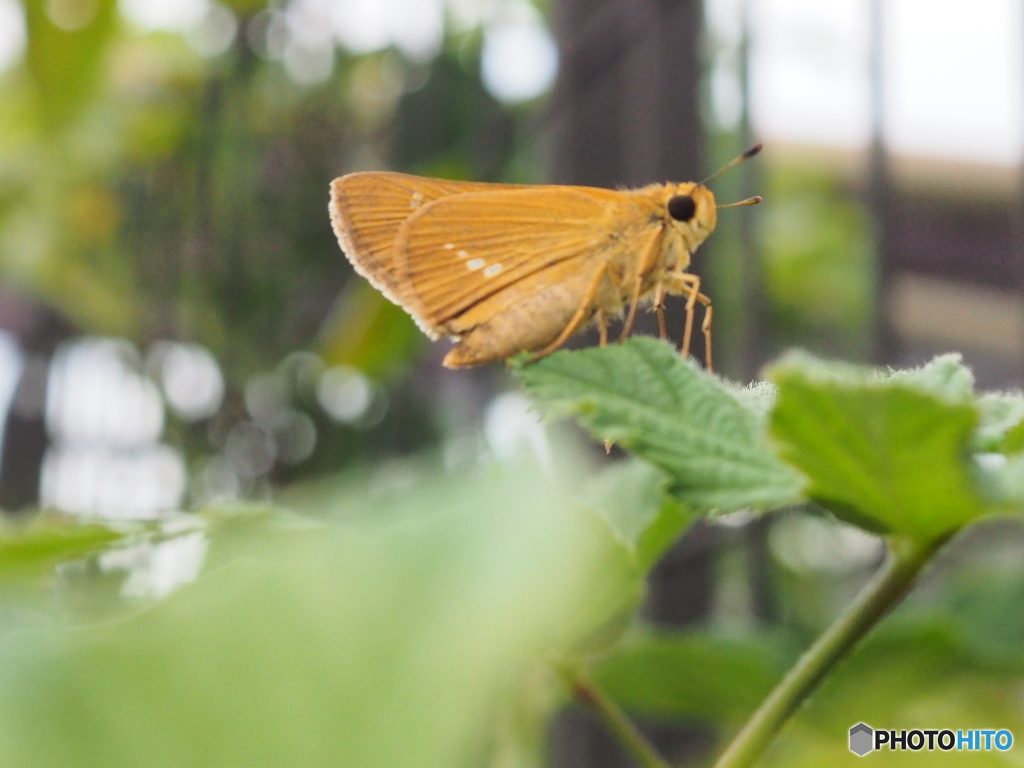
[178, 327]
[177, 324]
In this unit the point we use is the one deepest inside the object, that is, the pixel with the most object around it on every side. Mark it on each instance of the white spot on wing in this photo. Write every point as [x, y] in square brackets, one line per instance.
[417, 198]
[492, 270]
[462, 254]
[448, 246]
[473, 264]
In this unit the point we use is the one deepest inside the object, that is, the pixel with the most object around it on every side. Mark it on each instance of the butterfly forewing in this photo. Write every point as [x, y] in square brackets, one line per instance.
[459, 250]
[367, 210]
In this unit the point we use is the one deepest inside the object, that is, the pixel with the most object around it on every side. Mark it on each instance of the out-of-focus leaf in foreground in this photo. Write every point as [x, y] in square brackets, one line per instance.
[631, 497]
[889, 453]
[641, 395]
[30, 550]
[392, 641]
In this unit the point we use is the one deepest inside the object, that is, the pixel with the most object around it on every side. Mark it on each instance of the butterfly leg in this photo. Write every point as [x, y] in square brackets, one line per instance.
[644, 267]
[659, 307]
[628, 325]
[706, 328]
[602, 329]
[577, 319]
[690, 284]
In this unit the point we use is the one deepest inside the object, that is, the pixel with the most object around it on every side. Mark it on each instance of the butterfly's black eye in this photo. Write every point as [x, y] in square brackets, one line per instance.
[682, 207]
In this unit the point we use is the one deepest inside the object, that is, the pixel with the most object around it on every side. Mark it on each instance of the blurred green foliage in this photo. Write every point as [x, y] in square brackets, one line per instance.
[30, 549]
[370, 333]
[886, 450]
[416, 617]
[396, 633]
[818, 263]
[65, 61]
[693, 676]
[916, 672]
[151, 193]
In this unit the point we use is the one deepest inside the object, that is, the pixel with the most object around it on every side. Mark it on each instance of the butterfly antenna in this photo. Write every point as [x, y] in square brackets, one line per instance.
[733, 163]
[749, 201]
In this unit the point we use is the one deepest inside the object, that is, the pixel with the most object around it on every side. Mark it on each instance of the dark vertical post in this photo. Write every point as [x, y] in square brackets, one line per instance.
[40, 331]
[626, 103]
[626, 113]
[1017, 241]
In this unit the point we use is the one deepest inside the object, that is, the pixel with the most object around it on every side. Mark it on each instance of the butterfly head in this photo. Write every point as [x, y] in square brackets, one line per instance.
[690, 211]
[690, 207]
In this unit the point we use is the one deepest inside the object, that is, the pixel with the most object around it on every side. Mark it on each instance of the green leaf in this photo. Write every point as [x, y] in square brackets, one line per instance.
[641, 395]
[393, 640]
[29, 550]
[945, 376]
[889, 453]
[1001, 426]
[631, 497]
[1013, 442]
[692, 676]
[672, 519]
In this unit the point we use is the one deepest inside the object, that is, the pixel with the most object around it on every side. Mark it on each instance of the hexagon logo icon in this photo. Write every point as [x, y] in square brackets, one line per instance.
[862, 739]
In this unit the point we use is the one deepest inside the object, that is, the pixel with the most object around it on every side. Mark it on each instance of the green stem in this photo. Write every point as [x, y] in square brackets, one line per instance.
[589, 695]
[906, 560]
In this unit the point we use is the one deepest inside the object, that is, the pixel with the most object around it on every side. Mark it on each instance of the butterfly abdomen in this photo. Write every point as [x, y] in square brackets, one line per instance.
[532, 319]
